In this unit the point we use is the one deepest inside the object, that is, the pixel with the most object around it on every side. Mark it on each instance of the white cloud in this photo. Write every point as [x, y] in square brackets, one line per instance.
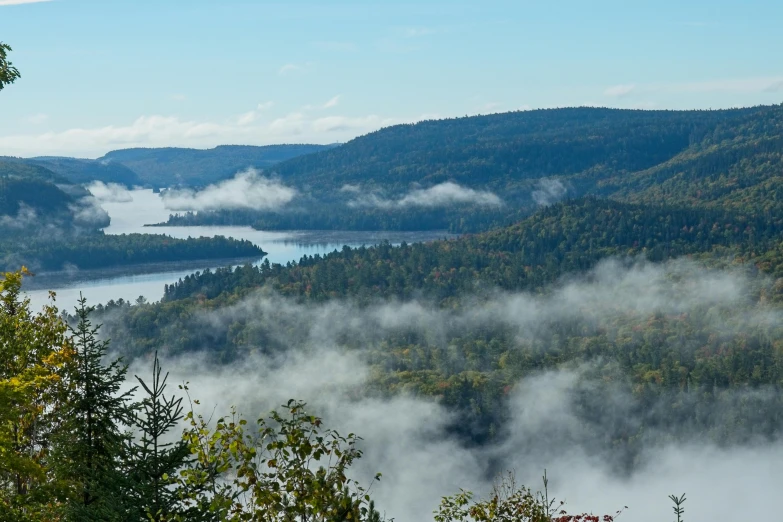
[332, 103]
[289, 68]
[620, 91]
[247, 190]
[37, 119]
[774, 86]
[490, 107]
[549, 191]
[291, 123]
[247, 118]
[346, 123]
[734, 85]
[251, 116]
[178, 97]
[171, 131]
[110, 192]
[20, 2]
[441, 195]
[726, 85]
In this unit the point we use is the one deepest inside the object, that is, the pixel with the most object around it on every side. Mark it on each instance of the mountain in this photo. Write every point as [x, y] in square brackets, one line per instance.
[165, 167]
[441, 173]
[31, 194]
[84, 171]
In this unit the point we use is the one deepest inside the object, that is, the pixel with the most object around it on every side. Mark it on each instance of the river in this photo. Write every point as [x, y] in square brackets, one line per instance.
[129, 283]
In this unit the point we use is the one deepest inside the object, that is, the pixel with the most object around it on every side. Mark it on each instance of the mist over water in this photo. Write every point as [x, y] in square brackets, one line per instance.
[131, 210]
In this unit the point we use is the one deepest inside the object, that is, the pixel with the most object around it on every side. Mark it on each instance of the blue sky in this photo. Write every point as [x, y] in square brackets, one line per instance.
[102, 75]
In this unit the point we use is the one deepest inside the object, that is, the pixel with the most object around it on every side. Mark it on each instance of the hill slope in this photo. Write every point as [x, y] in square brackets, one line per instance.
[440, 174]
[165, 167]
[464, 321]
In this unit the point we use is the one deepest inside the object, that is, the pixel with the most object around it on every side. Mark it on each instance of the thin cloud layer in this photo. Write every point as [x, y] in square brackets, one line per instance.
[441, 195]
[620, 91]
[20, 2]
[247, 190]
[734, 85]
[252, 128]
[548, 191]
[110, 192]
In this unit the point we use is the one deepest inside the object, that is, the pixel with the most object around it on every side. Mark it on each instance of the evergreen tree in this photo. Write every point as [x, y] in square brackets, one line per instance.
[154, 460]
[91, 450]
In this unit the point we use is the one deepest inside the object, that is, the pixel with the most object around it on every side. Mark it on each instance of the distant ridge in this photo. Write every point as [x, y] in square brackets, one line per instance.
[169, 166]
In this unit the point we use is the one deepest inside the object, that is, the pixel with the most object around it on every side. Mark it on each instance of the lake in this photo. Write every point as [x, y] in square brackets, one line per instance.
[101, 286]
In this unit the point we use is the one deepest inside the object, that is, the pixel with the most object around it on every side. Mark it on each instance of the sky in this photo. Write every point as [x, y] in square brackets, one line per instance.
[100, 75]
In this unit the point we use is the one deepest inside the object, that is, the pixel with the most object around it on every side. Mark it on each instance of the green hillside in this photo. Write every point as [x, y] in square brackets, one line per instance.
[717, 159]
[166, 167]
[85, 171]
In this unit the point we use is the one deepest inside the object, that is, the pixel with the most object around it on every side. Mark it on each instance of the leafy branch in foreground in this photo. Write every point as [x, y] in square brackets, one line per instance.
[8, 73]
[510, 502]
[287, 468]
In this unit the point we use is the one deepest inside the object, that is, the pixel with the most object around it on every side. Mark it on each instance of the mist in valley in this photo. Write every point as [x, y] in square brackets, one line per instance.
[560, 419]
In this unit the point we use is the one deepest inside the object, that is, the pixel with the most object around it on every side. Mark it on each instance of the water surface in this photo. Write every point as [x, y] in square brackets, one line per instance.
[129, 283]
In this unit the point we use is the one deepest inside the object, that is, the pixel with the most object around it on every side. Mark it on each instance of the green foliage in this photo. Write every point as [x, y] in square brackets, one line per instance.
[33, 350]
[288, 468]
[510, 502]
[84, 171]
[91, 441]
[155, 460]
[679, 511]
[564, 238]
[728, 159]
[675, 362]
[8, 73]
[99, 250]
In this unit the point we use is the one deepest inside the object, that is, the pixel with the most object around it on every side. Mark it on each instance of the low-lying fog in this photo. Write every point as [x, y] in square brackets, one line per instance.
[406, 437]
[130, 210]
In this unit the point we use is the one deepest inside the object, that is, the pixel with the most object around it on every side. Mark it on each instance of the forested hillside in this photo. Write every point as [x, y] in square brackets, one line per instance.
[489, 309]
[435, 174]
[51, 224]
[85, 171]
[167, 167]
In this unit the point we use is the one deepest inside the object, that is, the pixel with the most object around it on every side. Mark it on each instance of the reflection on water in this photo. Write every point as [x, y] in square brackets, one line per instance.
[128, 283]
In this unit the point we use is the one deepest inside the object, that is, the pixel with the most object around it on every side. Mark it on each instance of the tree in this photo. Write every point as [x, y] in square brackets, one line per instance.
[155, 462]
[288, 469]
[91, 451]
[33, 349]
[510, 502]
[8, 73]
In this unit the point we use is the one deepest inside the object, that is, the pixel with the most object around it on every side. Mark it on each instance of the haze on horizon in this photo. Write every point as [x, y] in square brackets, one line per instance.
[99, 76]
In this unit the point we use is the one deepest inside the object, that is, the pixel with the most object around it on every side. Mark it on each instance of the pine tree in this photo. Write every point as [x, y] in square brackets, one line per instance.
[155, 461]
[91, 449]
